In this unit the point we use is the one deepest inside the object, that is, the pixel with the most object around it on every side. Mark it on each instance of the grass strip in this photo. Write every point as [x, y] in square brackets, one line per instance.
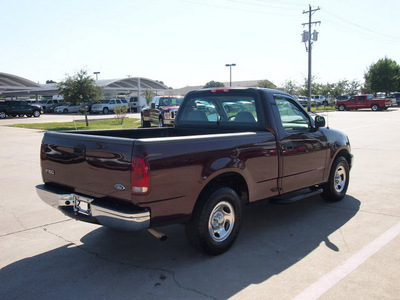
[81, 125]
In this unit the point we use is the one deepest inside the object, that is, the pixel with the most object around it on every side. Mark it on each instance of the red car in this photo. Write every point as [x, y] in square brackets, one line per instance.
[363, 101]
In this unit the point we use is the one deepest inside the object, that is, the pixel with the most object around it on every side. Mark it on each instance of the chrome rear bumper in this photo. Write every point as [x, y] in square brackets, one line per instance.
[91, 210]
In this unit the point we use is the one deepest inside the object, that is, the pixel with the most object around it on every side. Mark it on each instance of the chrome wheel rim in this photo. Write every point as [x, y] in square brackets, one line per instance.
[221, 221]
[340, 179]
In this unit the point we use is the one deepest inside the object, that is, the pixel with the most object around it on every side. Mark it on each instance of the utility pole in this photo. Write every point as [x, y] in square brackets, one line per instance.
[307, 37]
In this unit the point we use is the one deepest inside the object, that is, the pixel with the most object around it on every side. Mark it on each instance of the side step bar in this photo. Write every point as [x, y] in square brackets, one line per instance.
[294, 197]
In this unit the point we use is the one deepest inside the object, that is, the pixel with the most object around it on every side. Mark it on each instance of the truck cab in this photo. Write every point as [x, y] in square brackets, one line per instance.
[162, 111]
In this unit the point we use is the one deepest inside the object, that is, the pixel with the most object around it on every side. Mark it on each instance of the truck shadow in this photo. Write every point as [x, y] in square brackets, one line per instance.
[121, 265]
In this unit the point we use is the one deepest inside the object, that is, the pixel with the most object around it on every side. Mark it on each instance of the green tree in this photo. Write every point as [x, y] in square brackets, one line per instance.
[382, 76]
[148, 95]
[291, 87]
[213, 84]
[266, 84]
[79, 88]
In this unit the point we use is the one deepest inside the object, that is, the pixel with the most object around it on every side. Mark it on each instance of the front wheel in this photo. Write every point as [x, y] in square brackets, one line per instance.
[335, 189]
[215, 222]
[145, 124]
[36, 113]
[374, 107]
[161, 122]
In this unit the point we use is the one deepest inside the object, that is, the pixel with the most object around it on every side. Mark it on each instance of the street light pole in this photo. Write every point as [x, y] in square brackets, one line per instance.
[96, 73]
[230, 73]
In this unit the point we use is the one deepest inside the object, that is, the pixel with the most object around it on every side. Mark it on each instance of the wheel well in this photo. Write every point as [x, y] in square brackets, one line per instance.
[231, 180]
[346, 155]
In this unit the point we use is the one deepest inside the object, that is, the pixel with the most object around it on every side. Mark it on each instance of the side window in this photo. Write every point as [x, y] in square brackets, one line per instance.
[292, 117]
[112, 102]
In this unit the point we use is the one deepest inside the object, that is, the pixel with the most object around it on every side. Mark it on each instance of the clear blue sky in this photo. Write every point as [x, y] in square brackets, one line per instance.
[188, 42]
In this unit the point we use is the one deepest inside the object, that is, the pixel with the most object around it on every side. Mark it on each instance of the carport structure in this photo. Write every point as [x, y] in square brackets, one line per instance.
[9, 82]
[14, 86]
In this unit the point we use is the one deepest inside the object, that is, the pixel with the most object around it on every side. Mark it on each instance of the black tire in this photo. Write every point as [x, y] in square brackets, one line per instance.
[342, 107]
[145, 124]
[161, 122]
[336, 187]
[65, 111]
[105, 110]
[215, 222]
[374, 107]
[36, 114]
[3, 115]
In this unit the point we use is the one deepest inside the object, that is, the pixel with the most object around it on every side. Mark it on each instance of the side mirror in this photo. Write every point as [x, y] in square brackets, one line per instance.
[319, 121]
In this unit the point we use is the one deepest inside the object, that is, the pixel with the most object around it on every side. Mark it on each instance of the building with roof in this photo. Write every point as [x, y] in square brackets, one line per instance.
[9, 82]
[14, 86]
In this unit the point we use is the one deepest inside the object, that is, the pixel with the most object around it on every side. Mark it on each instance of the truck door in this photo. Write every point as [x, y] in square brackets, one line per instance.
[352, 103]
[303, 149]
[362, 102]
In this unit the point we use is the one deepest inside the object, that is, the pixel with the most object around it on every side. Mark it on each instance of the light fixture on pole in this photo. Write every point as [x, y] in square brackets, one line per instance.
[96, 73]
[230, 73]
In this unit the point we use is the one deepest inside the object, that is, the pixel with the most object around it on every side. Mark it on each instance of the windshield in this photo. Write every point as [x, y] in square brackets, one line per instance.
[224, 109]
[171, 101]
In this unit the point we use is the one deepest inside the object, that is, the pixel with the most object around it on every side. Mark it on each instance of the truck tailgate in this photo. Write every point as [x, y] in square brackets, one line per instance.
[93, 165]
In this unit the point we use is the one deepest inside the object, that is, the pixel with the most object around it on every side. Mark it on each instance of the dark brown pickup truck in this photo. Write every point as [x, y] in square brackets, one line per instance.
[229, 147]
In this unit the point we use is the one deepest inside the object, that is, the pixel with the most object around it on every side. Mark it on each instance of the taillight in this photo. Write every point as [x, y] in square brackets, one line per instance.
[223, 90]
[140, 176]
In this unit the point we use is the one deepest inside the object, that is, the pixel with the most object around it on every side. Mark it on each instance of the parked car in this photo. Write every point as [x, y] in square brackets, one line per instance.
[202, 171]
[18, 108]
[302, 100]
[67, 108]
[105, 106]
[162, 111]
[137, 104]
[363, 101]
[49, 105]
[319, 100]
[88, 105]
[395, 97]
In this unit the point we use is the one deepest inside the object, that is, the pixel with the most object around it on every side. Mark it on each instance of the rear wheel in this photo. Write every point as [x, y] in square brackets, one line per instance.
[374, 107]
[335, 189]
[342, 107]
[2, 115]
[65, 111]
[105, 110]
[215, 222]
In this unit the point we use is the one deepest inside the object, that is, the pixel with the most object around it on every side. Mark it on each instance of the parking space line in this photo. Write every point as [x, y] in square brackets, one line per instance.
[318, 288]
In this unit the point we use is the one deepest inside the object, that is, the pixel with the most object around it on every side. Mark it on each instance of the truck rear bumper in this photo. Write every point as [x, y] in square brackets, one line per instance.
[91, 210]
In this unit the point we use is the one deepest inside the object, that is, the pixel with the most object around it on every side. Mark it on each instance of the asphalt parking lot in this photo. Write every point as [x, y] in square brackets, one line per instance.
[308, 250]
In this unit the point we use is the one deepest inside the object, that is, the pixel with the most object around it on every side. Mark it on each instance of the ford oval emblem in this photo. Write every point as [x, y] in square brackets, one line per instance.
[119, 187]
